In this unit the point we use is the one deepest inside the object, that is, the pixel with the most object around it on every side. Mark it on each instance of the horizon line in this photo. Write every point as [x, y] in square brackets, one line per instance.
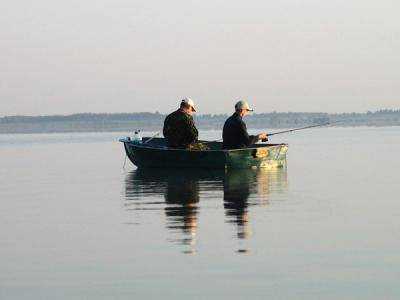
[215, 114]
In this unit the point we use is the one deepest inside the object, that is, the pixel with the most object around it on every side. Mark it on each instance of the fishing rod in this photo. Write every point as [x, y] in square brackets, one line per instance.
[301, 128]
[154, 136]
[291, 130]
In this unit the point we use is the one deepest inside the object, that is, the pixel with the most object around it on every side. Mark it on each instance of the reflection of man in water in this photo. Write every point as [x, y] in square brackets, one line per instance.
[236, 194]
[181, 193]
[182, 196]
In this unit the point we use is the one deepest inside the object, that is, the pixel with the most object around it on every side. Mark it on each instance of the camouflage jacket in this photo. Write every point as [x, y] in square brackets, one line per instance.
[179, 130]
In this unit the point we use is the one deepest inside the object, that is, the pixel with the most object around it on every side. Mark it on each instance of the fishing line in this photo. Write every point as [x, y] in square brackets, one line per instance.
[123, 167]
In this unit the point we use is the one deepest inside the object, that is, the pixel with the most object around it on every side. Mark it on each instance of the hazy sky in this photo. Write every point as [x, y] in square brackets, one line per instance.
[61, 57]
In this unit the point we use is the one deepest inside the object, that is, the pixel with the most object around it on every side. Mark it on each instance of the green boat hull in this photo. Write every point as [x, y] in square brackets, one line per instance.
[154, 154]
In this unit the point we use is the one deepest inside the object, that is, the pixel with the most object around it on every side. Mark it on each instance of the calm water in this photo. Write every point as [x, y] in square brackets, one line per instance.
[75, 225]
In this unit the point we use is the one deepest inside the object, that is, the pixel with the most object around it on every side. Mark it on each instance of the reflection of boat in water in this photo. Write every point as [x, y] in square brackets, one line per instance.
[182, 191]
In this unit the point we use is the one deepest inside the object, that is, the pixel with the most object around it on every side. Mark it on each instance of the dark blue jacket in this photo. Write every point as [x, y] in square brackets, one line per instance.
[235, 134]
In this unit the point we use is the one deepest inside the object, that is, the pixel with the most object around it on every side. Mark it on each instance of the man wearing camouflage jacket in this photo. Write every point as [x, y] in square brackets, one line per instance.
[179, 128]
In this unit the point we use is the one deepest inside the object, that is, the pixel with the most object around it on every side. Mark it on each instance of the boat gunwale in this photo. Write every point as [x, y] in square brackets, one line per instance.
[142, 146]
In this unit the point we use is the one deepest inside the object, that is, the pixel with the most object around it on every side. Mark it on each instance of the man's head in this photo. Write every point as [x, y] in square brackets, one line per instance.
[187, 105]
[242, 108]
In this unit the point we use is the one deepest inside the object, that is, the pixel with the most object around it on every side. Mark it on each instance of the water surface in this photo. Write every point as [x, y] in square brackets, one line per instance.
[75, 225]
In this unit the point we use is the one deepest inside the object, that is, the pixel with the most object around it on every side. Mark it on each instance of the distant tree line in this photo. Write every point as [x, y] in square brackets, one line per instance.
[154, 121]
[89, 117]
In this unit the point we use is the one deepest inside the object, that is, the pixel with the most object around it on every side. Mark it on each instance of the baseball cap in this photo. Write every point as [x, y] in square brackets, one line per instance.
[242, 104]
[189, 101]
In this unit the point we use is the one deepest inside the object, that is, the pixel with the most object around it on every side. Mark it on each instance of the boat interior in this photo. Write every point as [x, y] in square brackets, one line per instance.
[212, 145]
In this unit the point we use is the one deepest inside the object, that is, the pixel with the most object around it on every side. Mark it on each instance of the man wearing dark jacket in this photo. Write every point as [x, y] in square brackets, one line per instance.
[235, 134]
[179, 128]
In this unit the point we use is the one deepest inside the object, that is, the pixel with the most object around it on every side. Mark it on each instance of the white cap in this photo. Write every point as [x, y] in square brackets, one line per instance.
[242, 104]
[189, 101]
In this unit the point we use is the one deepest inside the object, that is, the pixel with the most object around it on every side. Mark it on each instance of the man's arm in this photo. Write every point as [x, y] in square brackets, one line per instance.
[246, 139]
[193, 132]
[166, 127]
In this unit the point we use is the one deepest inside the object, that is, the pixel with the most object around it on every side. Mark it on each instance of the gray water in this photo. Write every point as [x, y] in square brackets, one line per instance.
[75, 225]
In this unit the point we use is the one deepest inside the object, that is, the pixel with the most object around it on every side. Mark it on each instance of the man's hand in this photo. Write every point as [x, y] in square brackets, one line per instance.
[263, 137]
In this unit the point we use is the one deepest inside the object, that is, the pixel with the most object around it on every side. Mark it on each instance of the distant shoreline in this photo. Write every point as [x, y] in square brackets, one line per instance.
[90, 122]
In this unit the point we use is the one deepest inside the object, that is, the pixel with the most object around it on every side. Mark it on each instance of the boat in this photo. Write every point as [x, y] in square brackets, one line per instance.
[153, 153]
